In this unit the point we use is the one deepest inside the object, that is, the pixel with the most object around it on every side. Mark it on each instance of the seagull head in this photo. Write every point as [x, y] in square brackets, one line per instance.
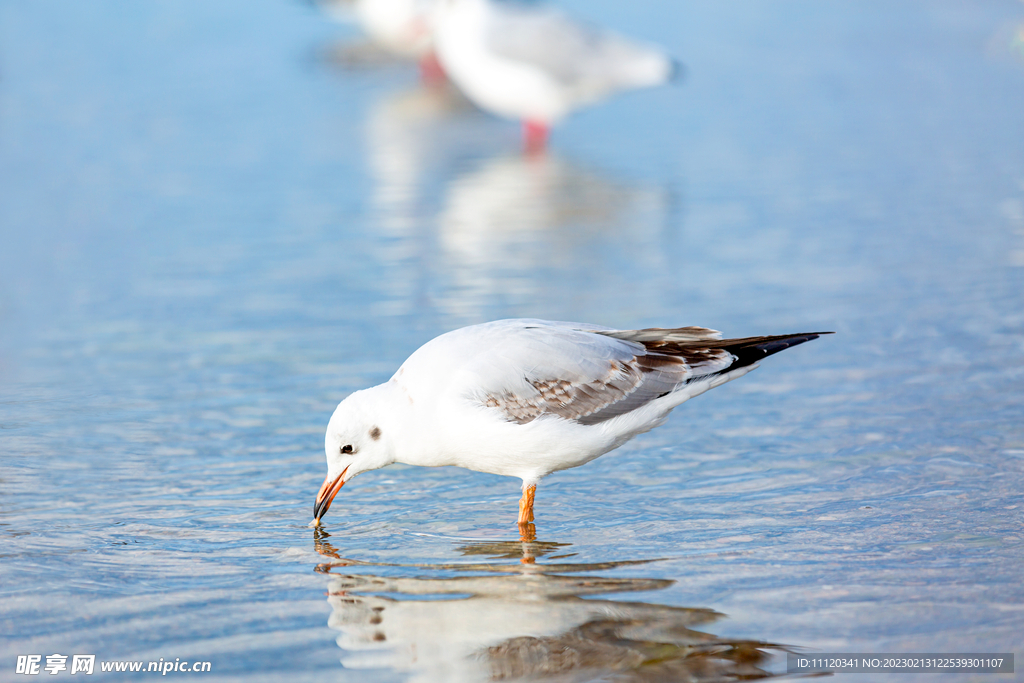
[355, 442]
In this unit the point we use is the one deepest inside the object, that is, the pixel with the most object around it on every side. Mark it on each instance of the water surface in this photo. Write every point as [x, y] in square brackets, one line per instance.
[214, 229]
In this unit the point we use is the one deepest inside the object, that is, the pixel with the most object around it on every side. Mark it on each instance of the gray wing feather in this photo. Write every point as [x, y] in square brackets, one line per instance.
[661, 334]
[579, 56]
[530, 368]
[662, 374]
[591, 375]
[545, 38]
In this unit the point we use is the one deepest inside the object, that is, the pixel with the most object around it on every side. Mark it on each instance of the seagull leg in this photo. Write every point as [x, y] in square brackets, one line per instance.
[527, 531]
[526, 503]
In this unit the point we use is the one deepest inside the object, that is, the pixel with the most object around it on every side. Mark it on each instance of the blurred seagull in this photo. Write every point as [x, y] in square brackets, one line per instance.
[401, 27]
[525, 398]
[535, 64]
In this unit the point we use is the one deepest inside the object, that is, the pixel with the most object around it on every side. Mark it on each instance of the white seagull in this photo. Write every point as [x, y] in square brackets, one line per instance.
[401, 27]
[535, 64]
[525, 398]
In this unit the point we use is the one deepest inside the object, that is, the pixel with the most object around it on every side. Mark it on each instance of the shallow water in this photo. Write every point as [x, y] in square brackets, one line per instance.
[216, 225]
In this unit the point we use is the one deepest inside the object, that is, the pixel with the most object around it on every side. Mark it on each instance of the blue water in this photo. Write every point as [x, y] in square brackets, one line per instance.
[214, 229]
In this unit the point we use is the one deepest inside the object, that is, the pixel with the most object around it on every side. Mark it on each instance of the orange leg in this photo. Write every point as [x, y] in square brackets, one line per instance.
[526, 504]
[526, 529]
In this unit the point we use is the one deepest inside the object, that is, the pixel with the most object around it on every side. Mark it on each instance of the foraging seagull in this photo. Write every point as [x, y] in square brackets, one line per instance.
[535, 64]
[525, 398]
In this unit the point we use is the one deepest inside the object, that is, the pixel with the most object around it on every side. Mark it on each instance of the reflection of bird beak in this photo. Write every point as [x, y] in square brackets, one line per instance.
[328, 490]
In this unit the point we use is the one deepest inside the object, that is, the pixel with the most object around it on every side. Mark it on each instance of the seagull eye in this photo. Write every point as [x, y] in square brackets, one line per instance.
[347, 448]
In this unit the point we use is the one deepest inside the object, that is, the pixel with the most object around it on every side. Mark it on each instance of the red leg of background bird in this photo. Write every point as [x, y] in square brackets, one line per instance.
[535, 136]
[431, 71]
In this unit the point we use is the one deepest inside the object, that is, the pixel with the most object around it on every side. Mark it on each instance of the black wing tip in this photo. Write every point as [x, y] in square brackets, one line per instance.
[756, 350]
[784, 341]
[800, 337]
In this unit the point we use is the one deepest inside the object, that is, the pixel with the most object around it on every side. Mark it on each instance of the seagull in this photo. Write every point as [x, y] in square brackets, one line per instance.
[525, 398]
[535, 64]
[401, 27]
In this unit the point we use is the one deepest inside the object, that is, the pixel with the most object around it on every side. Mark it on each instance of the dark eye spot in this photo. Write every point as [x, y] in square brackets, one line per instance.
[347, 448]
[375, 433]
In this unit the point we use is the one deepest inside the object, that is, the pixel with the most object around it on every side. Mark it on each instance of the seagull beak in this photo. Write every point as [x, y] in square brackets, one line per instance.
[328, 490]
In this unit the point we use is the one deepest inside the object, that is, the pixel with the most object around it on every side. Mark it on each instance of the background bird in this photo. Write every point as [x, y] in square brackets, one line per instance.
[535, 64]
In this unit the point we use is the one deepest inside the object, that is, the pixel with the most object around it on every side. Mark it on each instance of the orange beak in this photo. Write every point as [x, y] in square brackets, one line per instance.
[328, 490]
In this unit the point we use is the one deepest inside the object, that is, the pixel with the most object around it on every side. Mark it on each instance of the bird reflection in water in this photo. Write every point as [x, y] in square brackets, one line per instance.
[463, 224]
[416, 137]
[491, 619]
[518, 226]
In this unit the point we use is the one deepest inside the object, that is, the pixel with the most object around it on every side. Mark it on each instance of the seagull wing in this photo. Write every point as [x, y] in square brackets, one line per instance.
[580, 57]
[527, 369]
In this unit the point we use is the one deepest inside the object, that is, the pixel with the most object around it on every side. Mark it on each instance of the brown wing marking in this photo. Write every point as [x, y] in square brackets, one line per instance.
[566, 399]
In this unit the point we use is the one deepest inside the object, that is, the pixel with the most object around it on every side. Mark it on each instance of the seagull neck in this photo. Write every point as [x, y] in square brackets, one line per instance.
[393, 411]
[409, 439]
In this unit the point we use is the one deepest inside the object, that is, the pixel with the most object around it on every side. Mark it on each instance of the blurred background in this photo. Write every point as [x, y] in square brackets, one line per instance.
[218, 219]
